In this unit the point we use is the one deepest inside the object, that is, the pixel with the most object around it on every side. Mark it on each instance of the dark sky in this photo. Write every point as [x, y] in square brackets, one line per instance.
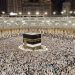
[3, 5]
[57, 4]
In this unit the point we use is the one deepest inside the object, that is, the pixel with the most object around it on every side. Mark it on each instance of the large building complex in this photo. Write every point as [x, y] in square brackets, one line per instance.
[41, 7]
[14, 6]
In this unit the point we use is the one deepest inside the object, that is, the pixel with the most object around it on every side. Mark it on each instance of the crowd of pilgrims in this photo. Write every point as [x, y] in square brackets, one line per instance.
[58, 60]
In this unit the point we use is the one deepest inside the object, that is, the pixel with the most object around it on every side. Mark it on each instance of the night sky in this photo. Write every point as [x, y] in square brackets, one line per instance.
[3, 5]
[57, 5]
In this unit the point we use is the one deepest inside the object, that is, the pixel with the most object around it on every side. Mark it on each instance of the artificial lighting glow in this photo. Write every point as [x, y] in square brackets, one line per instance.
[52, 21]
[71, 12]
[37, 13]
[23, 21]
[69, 22]
[74, 12]
[29, 13]
[73, 24]
[43, 21]
[5, 21]
[48, 21]
[46, 13]
[3, 12]
[12, 14]
[65, 24]
[54, 13]
[20, 13]
[62, 12]
[12, 21]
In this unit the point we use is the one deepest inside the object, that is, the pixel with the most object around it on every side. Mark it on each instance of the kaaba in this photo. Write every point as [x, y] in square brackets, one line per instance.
[32, 41]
